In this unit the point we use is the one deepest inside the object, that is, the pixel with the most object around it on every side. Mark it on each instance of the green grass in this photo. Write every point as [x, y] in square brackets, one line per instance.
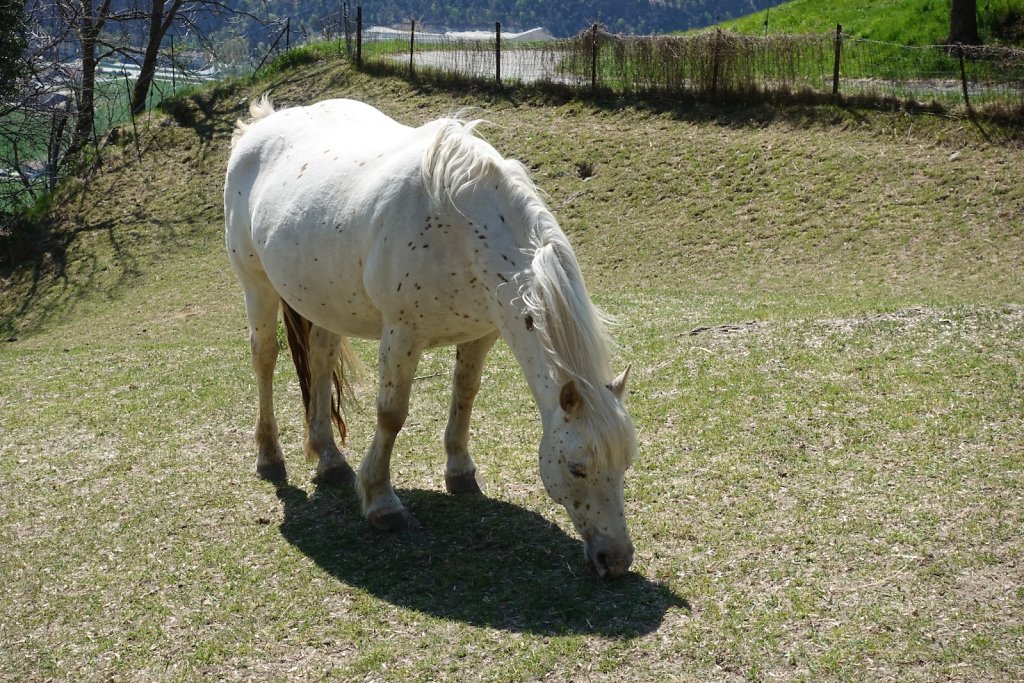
[905, 22]
[830, 483]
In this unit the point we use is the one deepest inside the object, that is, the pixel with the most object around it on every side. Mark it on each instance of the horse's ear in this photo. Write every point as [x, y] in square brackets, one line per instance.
[618, 385]
[569, 399]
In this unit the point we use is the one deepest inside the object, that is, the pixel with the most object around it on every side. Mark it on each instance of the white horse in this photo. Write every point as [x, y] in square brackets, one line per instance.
[356, 225]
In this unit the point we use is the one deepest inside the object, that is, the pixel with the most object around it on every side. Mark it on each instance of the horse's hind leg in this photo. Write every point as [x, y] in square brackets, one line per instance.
[324, 350]
[460, 474]
[261, 308]
[399, 356]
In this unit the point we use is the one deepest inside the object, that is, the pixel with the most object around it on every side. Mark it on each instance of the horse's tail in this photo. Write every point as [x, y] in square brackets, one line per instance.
[259, 109]
[298, 329]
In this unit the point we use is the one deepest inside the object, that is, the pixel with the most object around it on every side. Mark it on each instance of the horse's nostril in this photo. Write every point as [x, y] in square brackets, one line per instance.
[601, 560]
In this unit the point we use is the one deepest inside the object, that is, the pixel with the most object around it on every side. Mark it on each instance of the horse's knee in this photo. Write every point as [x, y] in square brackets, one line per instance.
[391, 419]
[467, 391]
[264, 349]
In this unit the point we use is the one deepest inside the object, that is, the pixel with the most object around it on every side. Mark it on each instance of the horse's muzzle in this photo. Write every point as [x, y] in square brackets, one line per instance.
[610, 558]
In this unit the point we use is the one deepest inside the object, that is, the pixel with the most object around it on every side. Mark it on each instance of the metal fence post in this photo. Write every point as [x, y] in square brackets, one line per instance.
[359, 37]
[593, 57]
[835, 68]
[714, 62]
[174, 68]
[412, 47]
[497, 52]
[343, 30]
[963, 79]
[269, 52]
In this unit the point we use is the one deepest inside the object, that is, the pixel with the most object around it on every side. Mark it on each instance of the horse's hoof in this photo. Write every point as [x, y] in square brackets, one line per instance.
[394, 521]
[272, 471]
[336, 475]
[466, 483]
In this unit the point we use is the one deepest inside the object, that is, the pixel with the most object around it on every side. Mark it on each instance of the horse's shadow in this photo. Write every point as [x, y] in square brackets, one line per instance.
[475, 560]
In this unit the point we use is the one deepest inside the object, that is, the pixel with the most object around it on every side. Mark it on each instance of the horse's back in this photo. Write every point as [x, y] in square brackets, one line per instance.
[332, 121]
[308, 191]
[324, 140]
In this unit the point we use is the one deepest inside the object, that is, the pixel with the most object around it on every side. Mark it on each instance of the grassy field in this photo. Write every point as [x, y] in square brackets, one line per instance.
[825, 315]
[906, 22]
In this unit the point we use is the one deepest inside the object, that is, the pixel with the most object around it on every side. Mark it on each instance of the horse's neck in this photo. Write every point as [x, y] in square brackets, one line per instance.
[519, 331]
[504, 265]
[500, 227]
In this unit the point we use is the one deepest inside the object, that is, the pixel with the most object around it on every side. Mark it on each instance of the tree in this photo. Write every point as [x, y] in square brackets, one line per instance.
[134, 30]
[12, 45]
[35, 107]
[161, 17]
[87, 20]
[194, 17]
[963, 23]
[50, 56]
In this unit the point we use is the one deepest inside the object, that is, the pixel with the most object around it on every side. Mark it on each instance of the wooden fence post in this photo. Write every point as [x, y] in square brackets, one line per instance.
[359, 37]
[497, 52]
[593, 57]
[412, 47]
[835, 68]
[288, 33]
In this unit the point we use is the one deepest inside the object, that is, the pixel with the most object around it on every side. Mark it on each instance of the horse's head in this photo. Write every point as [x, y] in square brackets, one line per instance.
[584, 455]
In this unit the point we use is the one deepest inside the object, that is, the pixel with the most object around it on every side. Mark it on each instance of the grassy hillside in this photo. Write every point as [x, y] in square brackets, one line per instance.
[825, 316]
[908, 22]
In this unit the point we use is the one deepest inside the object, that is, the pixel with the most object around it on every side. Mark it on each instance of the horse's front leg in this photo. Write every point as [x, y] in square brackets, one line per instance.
[324, 350]
[460, 475]
[399, 356]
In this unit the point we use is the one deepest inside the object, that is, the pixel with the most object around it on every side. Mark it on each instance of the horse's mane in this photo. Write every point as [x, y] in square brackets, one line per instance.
[572, 329]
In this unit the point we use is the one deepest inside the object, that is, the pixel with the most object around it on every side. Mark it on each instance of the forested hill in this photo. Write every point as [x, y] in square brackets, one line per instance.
[561, 17]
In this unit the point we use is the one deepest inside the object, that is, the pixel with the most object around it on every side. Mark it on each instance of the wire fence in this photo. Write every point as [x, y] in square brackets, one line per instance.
[712, 64]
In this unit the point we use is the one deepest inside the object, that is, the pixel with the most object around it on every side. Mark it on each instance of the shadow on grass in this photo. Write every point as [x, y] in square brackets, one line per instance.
[198, 110]
[43, 257]
[476, 560]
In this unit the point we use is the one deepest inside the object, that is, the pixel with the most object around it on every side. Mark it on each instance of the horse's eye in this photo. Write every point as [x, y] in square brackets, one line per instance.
[577, 470]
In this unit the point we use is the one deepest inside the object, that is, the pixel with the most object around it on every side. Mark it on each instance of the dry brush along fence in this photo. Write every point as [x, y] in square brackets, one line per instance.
[715, 64]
